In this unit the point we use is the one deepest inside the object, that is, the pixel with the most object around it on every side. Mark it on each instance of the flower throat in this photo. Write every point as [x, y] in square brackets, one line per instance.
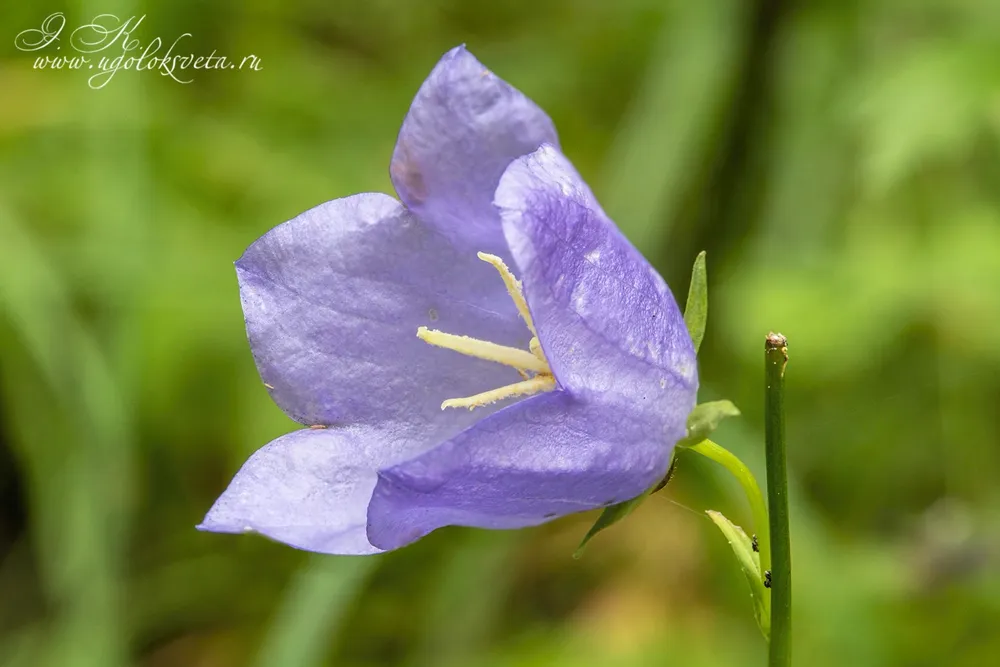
[531, 363]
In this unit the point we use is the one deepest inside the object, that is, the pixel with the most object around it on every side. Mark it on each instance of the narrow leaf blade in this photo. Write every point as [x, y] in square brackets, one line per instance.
[610, 516]
[696, 306]
[701, 422]
[749, 561]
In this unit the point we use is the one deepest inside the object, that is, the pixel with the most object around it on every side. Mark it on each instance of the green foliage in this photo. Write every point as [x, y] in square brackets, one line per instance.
[837, 160]
[705, 418]
[610, 516]
[696, 306]
[316, 600]
[702, 421]
[749, 561]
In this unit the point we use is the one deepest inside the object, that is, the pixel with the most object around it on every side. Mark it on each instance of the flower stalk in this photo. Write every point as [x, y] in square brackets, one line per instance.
[748, 483]
[776, 358]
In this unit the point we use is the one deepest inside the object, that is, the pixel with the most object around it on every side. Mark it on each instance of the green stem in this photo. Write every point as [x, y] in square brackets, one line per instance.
[738, 469]
[776, 357]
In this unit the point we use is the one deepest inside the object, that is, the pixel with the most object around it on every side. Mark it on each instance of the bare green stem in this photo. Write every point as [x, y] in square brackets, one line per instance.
[776, 358]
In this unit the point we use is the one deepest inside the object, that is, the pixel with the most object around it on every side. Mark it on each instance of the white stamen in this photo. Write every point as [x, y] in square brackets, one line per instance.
[532, 360]
[481, 349]
[513, 288]
[535, 385]
[536, 349]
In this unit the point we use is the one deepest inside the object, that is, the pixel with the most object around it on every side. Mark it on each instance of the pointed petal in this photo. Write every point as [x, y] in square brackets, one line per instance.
[464, 127]
[606, 320]
[540, 458]
[308, 489]
[333, 300]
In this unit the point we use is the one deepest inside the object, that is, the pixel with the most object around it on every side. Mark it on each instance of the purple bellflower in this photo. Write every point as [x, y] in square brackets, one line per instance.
[439, 392]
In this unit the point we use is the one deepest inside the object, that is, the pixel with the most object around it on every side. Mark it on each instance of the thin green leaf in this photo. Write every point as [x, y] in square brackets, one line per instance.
[457, 640]
[701, 422]
[696, 306]
[751, 489]
[79, 514]
[314, 607]
[610, 516]
[749, 562]
[698, 58]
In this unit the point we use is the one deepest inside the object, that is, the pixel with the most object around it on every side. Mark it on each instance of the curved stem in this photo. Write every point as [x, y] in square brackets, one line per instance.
[775, 358]
[748, 482]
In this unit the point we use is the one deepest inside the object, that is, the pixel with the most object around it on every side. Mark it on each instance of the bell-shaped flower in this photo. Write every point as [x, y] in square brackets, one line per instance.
[438, 388]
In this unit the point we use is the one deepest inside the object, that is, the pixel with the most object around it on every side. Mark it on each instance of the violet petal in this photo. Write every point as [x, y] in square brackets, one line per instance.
[333, 299]
[543, 457]
[309, 489]
[464, 127]
[606, 320]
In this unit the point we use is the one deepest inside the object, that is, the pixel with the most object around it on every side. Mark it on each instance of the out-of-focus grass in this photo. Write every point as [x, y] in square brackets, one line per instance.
[844, 155]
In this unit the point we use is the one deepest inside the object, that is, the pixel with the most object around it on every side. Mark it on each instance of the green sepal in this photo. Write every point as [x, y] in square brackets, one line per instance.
[615, 513]
[610, 516]
[700, 424]
[749, 561]
[696, 306]
[705, 418]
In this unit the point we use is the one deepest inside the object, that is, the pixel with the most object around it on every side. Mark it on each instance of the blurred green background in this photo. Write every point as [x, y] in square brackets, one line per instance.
[839, 161]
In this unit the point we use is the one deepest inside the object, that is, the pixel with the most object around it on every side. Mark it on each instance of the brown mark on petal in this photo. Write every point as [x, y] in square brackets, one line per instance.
[432, 314]
[406, 173]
